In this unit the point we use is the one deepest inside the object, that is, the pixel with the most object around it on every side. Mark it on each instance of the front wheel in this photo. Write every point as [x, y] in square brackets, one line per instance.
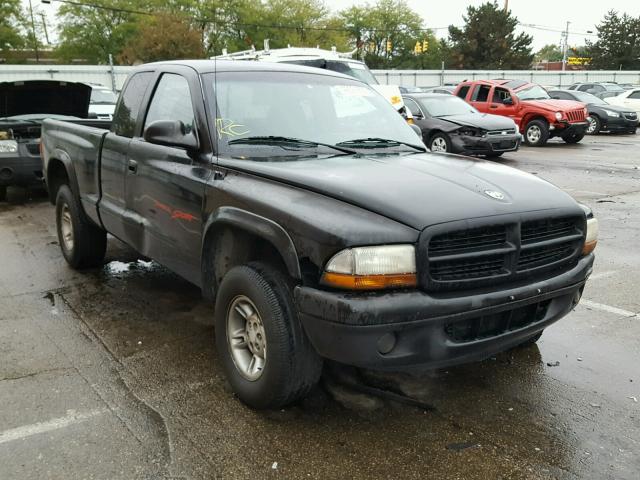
[440, 142]
[82, 243]
[573, 137]
[595, 125]
[536, 133]
[264, 351]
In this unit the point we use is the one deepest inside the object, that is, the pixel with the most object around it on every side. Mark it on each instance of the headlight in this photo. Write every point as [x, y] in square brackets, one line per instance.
[8, 146]
[470, 132]
[611, 113]
[591, 239]
[372, 268]
[558, 116]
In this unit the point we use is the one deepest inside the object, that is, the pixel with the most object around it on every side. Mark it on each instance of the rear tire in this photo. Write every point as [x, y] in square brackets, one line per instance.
[536, 133]
[595, 125]
[82, 243]
[573, 138]
[264, 351]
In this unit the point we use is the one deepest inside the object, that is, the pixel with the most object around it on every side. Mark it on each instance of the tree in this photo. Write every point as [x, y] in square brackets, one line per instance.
[11, 36]
[618, 44]
[92, 33]
[163, 37]
[549, 53]
[388, 23]
[488, 40]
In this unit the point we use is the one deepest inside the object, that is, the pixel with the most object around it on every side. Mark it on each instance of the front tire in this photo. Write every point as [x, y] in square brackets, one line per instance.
[440, 143]
[595, 125]
[536, 133]
[264, 351]
[82, 243]
[573, 138]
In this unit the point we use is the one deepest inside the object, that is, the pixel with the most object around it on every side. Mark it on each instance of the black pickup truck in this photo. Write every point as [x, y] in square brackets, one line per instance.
[312, 214]
[23, 106]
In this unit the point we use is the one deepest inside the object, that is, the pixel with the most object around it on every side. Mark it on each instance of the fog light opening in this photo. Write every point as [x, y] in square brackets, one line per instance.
[6, 173]
[386, 343]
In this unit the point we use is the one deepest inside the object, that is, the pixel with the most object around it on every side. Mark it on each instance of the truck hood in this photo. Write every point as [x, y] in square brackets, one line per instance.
[485, 121]
[417, 190]
[552, 105]
[44, 97]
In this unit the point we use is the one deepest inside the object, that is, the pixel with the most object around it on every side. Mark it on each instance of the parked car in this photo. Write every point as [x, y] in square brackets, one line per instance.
[102, 103]
[629, 99]
[404, 89]
[449, 124]
[599, 89]
[302, 202]
[447, 89]
[529, 105]
[602, 115]
[23, 106]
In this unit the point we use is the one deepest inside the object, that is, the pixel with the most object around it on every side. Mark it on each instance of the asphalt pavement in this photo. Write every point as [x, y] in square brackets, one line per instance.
[112, 373]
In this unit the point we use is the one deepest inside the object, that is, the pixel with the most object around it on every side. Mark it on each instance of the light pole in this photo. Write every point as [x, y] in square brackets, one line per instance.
[33, 31]
[565, 47]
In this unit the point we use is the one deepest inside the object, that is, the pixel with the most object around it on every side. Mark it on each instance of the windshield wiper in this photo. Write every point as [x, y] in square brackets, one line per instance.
[375, 142]
[276, 140]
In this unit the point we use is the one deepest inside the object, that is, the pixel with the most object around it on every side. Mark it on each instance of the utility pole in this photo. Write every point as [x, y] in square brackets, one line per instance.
[506, 5]
[33, 30]
[565, 47]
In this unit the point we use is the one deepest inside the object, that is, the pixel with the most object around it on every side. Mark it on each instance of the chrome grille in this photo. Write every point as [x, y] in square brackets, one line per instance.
[576, 115]
[505, 131]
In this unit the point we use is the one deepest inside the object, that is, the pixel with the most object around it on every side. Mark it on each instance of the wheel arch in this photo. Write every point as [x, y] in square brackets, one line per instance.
[234, 236]
[60, 171]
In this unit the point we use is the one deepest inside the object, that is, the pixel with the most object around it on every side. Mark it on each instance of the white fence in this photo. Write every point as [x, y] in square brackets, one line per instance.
[430, 78]
[115, 77]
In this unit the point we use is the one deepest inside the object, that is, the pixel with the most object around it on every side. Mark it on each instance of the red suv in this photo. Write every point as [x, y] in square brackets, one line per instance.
[529, 105]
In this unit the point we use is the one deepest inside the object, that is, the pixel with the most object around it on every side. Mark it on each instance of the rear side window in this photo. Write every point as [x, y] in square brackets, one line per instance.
[481, 93]
[462, 93]
[500, 95]
[126, 114]
[171, 101]
[413, 107]
[635, 94]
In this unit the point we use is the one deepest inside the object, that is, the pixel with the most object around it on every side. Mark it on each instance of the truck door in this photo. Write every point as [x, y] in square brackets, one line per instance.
[114, 156]
[503, 103]
[480, 97]
[165, 184]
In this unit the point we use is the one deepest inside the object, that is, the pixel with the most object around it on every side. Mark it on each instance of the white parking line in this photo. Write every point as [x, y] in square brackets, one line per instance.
[607, 308]
[25, 431]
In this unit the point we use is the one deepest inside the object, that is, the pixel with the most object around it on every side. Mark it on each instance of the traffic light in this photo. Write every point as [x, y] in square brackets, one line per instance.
[425, 45]
[389, 46]
[418, 48]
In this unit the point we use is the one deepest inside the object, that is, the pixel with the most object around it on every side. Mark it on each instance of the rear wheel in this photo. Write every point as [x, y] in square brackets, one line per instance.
[82, 243]
[264, 351]
[440, 142]
[536, 133]
[573, 137]
[595, 125]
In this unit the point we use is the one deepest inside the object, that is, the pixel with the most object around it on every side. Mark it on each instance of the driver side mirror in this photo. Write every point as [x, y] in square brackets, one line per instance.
[172, 133]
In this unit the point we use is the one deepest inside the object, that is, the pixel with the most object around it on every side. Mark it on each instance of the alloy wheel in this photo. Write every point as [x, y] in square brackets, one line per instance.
[246, 338]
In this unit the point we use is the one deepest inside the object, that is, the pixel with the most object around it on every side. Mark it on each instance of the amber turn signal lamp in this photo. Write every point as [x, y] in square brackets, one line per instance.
[369, 282]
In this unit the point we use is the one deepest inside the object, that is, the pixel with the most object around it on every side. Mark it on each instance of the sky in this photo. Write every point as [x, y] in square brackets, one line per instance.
[438, 14]
[551, 14]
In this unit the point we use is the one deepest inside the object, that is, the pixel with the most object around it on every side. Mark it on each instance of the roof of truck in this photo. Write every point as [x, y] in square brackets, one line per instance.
[210, 66]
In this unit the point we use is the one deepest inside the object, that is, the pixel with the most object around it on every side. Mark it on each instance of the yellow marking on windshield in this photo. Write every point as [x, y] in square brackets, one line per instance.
[230, 128]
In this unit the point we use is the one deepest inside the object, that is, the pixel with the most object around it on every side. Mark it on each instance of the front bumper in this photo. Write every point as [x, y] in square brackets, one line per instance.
[470, 145]
[22, 168]
[619, 124]
[566, 128]
[432, 330]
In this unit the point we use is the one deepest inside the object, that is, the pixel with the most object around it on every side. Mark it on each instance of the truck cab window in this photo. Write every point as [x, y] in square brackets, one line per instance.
[126, 114]
[481, 93]
[500, 95]
[463, 92]
[171, 101]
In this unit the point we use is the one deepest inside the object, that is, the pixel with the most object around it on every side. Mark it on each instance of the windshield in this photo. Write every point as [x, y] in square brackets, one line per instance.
[534, 92]
[314, 108]
[445, 105]
[103, 96]
[588, 98]
[353, 69]
[613, 87]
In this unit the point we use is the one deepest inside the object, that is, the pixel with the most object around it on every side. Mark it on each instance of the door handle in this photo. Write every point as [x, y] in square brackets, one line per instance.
[133, 166]
[493, 106]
